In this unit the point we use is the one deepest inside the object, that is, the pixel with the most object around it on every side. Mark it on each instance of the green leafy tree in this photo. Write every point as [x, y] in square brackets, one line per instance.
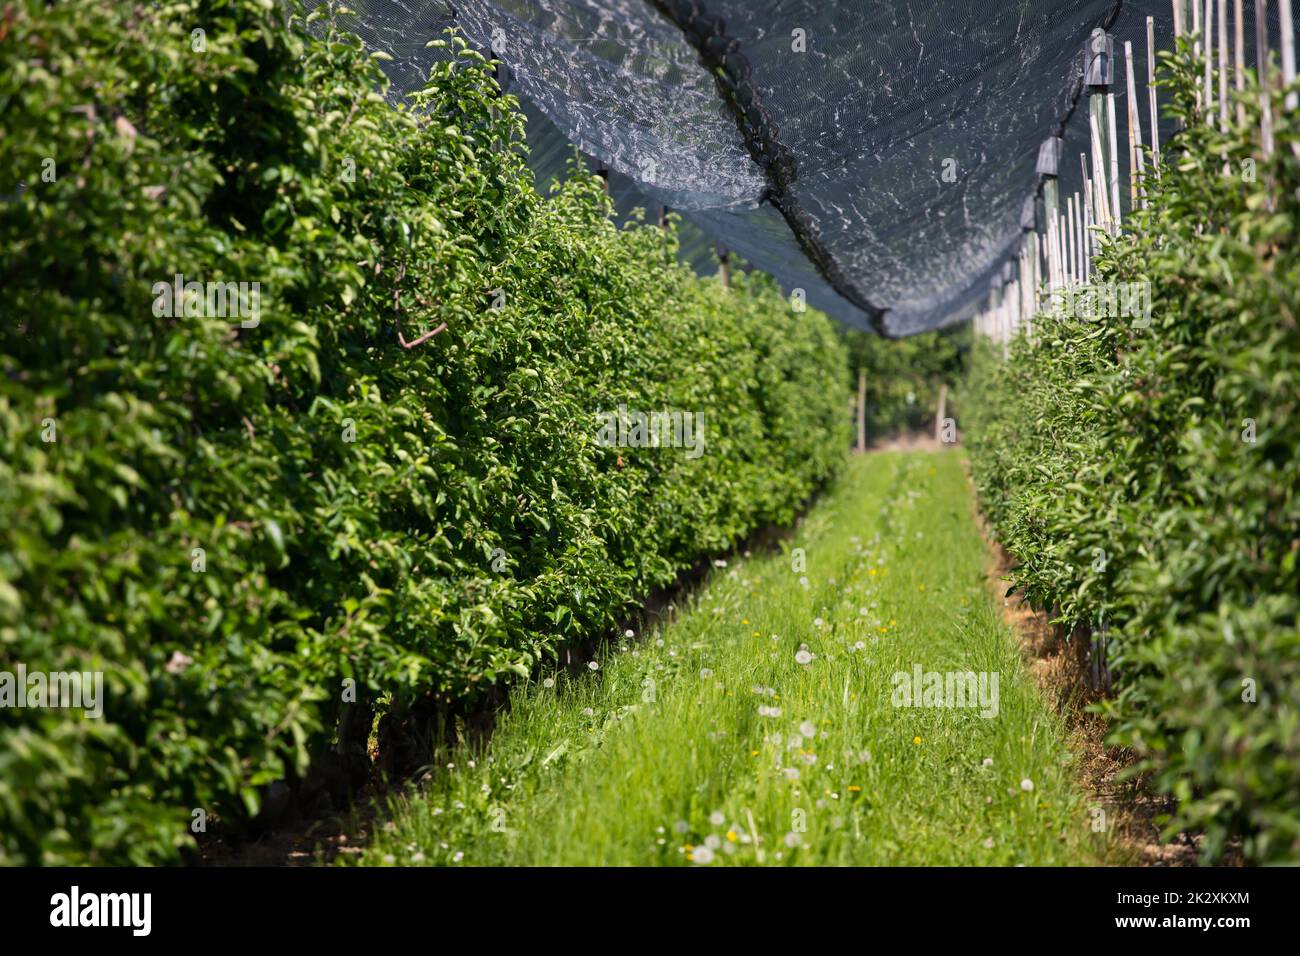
[267, 528]
[1147, 479]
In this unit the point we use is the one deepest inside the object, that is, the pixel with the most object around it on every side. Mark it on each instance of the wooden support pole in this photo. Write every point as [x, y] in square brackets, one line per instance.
[1051, 204]
[1076, 239]
[1061, 269]
[1209, 62]
[1114, 161]
[1026, 269]
[1002, 323]
[1261, 54]
[1196, 43]
[1087, 236]
[1035, 269]
[1287, 24]
[995, 311]
[1022, 284]
[1081, 240]
[1222, 6]
[1044, 275]
[1089, 200]
[1019, 288]
[1026, 284]
[1033, 285]
[1045, 272]
[1004, 320]
[1045, 248]
[1151, 95]
[1057, 279]
[942, 412]
[1053, 262]
[1096, 125]
[1063, 245]
[1070, 254]
[1071, 238]
[1239, 59]
[1103, 200]
[1178, 19]
[1013, 306]
[1137, 166]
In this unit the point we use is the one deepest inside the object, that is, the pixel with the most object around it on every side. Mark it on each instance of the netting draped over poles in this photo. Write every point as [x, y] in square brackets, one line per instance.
[876, 154]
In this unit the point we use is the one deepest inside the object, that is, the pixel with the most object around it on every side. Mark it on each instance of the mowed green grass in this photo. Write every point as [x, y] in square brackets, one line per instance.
[708, 742]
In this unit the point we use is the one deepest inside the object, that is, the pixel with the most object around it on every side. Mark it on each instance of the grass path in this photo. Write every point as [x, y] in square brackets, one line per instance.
[760, 726]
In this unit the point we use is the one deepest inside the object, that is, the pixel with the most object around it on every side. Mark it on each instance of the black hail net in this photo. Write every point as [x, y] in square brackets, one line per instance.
[877, 155]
